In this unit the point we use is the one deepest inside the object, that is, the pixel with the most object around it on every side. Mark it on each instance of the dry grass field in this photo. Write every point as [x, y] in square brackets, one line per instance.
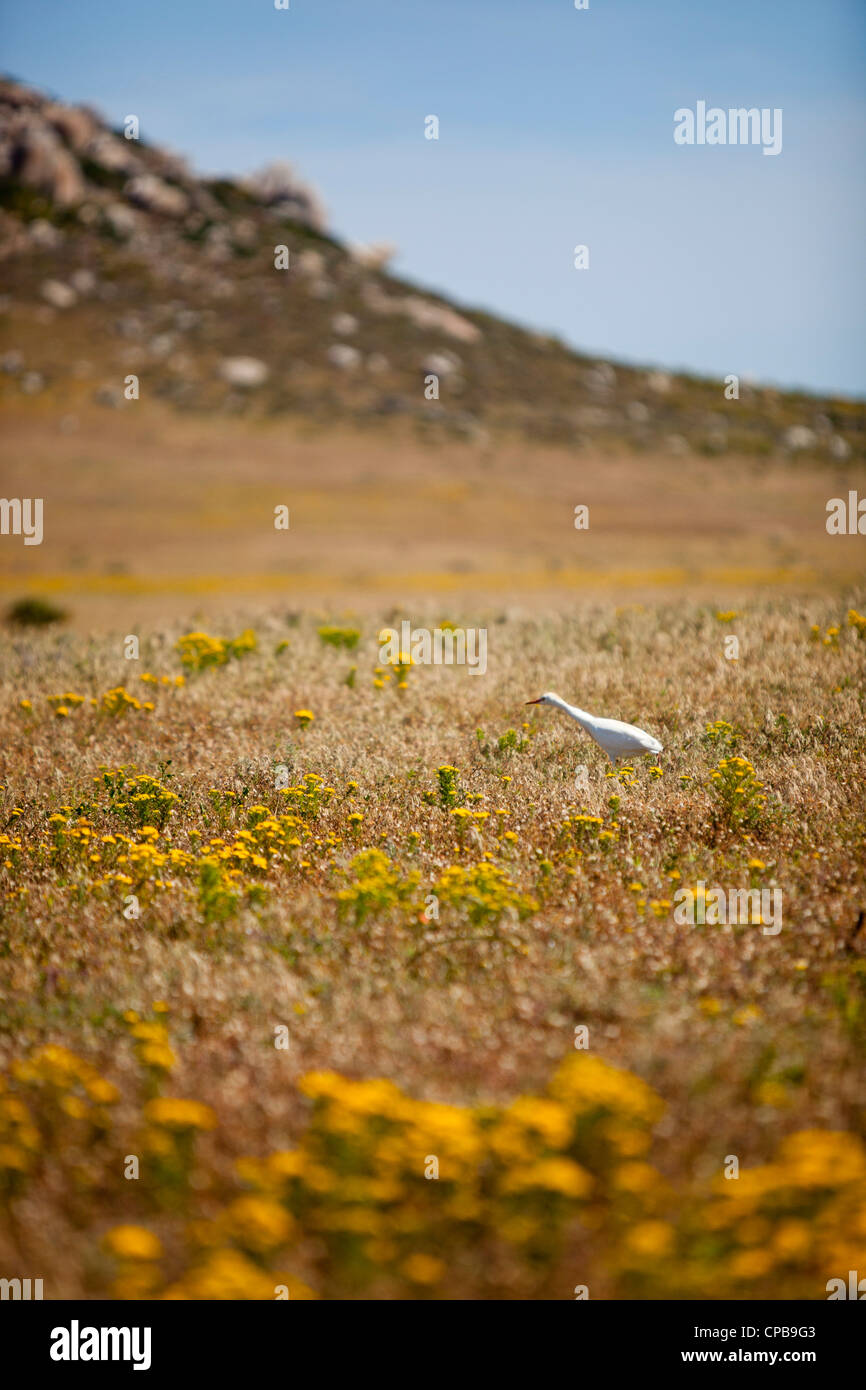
[391, 1001]
[324, 975]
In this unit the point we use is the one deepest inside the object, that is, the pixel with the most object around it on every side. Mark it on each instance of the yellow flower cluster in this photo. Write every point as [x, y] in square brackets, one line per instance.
[133, 1243]
[226, 1275]
[585, 834]
[309, 797]
[384, 1191]
[114, 703]
[62, 704]
[221, 873]
[52, 1102]
[398, 1189]
[483, 891]
[179, 1116]
[721, 734]
[857, 621]
[152, 1046]
[378, 886]
[464, 818]
[448, 778]
[118, 702]
[786, 1226]
[738, 792]
[139, 798]
[198, 651]
[149, 679]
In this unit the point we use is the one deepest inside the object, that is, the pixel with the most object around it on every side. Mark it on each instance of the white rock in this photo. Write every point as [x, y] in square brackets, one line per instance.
[77, 126]
[375, 256]
[83, 281]
[344, 324]
[44, 234]
[247, 372]
[151, 193]
[425, 314]
[161, 345]
[58, 295]
[279, 187]
[600, 379]
[112, 154]
[122, 220]
[244, 232]
[345, 357]
[799, 437]
[661, 383]
[310, 262]
[839, 447]
[441, 364]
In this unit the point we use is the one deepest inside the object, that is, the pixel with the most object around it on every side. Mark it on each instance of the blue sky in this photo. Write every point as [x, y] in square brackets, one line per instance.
[556, 128]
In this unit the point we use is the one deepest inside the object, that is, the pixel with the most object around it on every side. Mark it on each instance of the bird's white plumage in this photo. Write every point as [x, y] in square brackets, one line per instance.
[616, 739]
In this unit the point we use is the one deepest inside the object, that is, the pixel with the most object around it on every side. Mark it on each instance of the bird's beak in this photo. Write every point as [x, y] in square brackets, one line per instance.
[534, 702]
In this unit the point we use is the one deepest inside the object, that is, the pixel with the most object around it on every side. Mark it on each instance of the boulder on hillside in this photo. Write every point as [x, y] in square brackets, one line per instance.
[278, 187]
[31, 151]
[149, 192]
[245, 372]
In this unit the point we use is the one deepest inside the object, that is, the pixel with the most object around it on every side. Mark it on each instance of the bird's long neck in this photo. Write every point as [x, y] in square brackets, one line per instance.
[583, 718]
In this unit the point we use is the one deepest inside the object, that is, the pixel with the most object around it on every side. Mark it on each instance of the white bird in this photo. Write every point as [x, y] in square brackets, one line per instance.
[616, 739]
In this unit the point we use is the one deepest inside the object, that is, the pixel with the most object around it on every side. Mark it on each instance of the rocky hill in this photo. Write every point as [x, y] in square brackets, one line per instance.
[230, 295]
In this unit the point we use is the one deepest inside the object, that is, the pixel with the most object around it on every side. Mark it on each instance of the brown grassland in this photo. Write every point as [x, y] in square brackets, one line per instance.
[263, 976]
[151, 513]
[326, 976]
